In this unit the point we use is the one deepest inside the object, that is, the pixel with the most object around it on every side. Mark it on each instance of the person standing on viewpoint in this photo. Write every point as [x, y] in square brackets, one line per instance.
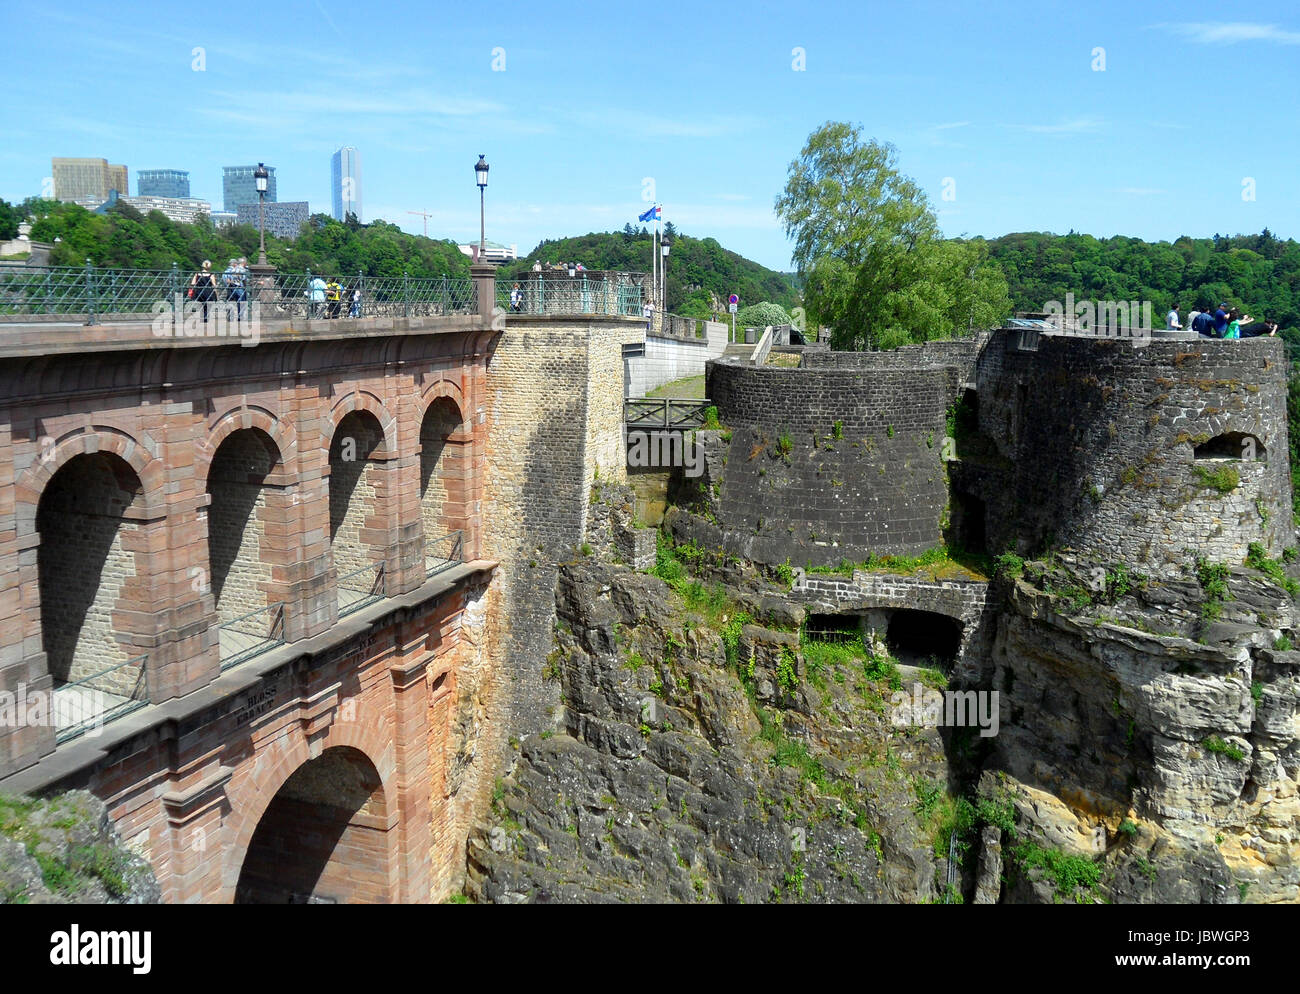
[203, 287]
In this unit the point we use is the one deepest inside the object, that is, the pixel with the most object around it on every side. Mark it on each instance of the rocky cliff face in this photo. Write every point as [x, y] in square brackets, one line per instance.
[1155, 732]
[696, 758]
[64, 850]
[1146, 749]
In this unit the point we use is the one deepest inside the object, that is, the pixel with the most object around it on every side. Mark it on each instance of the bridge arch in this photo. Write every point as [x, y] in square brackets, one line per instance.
[366, 733]
[281, 433]
[138, 453]
[92, 571]
[245, 546]
[324, 837]
[358, 487]
[446, 462]
[358, 401]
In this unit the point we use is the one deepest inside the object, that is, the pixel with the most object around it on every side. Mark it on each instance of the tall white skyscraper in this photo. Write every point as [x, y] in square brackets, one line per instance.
[346, 164]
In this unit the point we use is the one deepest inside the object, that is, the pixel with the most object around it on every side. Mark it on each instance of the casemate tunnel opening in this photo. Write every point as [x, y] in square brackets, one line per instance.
[323, 839]
[913, 637]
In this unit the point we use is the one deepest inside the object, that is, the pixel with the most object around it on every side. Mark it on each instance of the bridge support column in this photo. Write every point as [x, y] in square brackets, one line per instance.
[413, 790]
[485, 281]
[194, 816]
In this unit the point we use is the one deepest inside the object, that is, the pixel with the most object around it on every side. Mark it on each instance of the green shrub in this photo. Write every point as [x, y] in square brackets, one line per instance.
[1219, 747]
[761, 315]
[1067, 873]
[1009, 565]
[1225, 479]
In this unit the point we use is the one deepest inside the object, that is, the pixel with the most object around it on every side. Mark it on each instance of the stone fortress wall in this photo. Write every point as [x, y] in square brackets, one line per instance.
[838, 458]
[1131, 453]
[1134, 454]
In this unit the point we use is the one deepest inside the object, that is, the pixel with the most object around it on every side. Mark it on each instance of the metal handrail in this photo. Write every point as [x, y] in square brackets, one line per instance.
[543, 294]
[667, 412]
[456, 553]
[137, 696]
[266, 642]
[370, 593]
[96, 293]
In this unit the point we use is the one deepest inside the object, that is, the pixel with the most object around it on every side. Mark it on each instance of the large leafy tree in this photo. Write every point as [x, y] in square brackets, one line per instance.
[867, 246]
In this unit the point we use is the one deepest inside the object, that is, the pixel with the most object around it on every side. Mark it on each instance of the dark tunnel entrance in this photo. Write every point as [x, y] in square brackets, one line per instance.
[968, 522]
[923, 638]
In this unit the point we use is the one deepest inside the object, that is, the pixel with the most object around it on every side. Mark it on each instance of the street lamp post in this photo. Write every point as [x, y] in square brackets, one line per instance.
[481, 176]
[260, 175]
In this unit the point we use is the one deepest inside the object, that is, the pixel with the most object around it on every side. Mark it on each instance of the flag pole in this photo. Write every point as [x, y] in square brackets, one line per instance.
[654, 262]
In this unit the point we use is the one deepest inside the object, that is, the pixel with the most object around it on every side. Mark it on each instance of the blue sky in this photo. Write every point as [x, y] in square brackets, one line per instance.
[1001, 98]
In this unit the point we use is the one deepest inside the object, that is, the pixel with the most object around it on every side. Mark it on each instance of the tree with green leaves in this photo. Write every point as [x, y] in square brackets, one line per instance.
[868, 249]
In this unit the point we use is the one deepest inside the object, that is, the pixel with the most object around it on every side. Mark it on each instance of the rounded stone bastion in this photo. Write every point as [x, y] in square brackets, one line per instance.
[1141, 453]
[833, 461]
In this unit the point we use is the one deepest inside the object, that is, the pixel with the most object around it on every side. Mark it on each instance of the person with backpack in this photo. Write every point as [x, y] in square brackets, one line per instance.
[334, 294]
[1221, 320]
[233, 278]
[316, 294]
[1203, 323]
[203, 287]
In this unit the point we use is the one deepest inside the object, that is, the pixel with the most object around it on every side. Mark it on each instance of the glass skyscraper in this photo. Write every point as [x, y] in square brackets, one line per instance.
[174, 183]
[239, 187]
[346, 188]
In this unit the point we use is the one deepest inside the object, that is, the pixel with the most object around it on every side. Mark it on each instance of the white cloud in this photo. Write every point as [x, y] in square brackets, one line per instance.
[1073, 126]
[1231, 32]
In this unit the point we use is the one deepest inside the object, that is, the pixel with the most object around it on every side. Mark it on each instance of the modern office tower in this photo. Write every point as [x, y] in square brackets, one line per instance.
[238, 187]
[85, 179]
[346, 169]
[282, 219]
[163, 183]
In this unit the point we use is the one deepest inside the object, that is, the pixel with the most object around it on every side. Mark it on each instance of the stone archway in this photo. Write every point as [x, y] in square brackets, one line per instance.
[323, 839]
[242, 550]
[91, 589]
[442, 482]
[358, 537]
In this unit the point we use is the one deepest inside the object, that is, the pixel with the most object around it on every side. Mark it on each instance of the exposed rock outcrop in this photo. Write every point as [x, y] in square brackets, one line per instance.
[692, 764]
[64, 850]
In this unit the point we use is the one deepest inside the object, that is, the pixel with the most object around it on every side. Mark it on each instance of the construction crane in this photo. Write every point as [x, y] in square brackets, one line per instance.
[426, 217]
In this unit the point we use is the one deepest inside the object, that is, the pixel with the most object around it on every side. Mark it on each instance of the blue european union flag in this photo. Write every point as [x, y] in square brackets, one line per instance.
[649, 215]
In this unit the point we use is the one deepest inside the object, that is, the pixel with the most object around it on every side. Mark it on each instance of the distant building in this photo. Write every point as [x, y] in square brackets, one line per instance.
[76, 180]
[173, 183]
[346, 169]
[224, 219]
[239, 187]
[183, 209]
[492, 251]
[282, 219]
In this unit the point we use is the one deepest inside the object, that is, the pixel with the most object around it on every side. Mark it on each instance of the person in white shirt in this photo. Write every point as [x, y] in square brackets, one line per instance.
[1171, 320]
[648, 312]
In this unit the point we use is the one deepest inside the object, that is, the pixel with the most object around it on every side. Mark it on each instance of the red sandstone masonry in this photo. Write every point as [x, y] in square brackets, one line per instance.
[190, 792]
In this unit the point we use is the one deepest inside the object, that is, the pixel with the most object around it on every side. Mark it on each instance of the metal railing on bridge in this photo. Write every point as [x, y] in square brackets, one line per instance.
[645, 413]
[444, 553]
[96, 294]
[99, 697]
[544, 294]
[251, 634]
[360, 588]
